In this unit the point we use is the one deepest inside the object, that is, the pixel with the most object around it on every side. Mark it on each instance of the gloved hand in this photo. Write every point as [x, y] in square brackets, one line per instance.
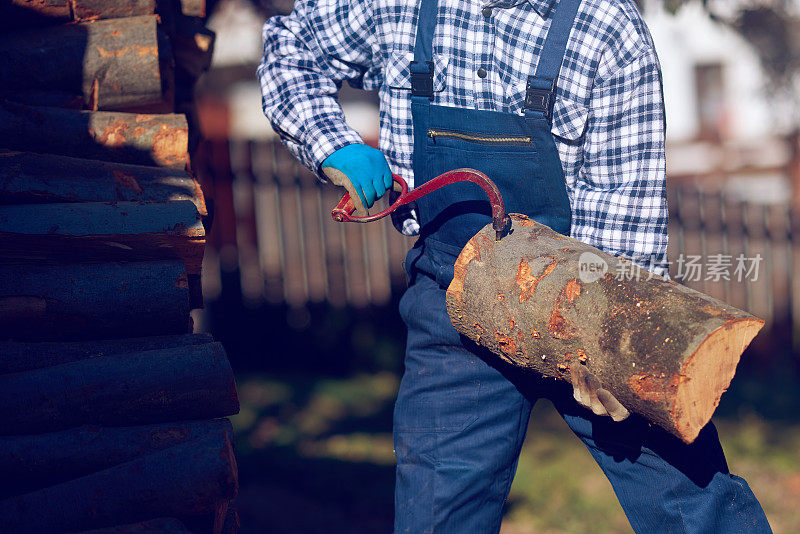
[362, 170]
[587, 391]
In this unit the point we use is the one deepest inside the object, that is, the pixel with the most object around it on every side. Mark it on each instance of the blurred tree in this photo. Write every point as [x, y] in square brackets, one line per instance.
[772, 28]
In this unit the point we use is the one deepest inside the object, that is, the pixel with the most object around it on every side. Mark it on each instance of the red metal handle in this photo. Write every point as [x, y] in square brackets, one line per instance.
[343, 212]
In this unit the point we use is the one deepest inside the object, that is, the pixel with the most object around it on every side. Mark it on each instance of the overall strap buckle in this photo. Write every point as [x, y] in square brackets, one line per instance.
[540, 96]
[422, 79]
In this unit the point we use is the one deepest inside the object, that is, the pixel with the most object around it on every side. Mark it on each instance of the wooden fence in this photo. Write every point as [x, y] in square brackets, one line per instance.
[741, 252]
[272, 223]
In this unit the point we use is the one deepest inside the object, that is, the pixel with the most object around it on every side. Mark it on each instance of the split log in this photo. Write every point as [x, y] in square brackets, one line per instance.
[192, 382]
[193, 8]
[27, 178]
[162, 525]
[16, 14]
[193, 46]
[139, 139]
[101, 232]
[232, 523]
[542, 301]
[48, 98]
[223, 520]
[71, 302]
[112, 64]
[36, 461]
[166, 65]
[189, 478]
[16, 357]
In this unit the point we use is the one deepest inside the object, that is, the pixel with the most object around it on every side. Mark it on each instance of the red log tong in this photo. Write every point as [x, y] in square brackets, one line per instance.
[343, 212]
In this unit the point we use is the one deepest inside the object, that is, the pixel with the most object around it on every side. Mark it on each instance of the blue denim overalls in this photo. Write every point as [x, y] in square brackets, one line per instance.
[461, 415]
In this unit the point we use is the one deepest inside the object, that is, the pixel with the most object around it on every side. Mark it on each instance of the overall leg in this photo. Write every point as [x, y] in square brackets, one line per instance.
[458, 426]
[663, 484]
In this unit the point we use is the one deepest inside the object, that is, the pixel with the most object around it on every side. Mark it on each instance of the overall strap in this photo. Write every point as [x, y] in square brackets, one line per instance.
[541, 86]
[557, 36]
[422, 66]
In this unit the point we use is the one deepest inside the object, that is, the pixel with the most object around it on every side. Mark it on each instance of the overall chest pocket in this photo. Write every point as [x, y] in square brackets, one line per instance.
[490, 143]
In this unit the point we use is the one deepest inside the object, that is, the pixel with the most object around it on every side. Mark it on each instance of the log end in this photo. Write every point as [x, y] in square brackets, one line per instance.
[707, 373]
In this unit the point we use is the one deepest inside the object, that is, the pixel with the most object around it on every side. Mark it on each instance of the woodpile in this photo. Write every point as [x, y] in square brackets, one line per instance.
[114, 413]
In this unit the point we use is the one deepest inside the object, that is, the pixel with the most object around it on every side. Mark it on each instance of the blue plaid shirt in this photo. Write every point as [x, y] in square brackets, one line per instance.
[608, 117]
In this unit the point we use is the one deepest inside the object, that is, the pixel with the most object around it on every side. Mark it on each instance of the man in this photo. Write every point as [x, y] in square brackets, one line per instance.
[560, 103]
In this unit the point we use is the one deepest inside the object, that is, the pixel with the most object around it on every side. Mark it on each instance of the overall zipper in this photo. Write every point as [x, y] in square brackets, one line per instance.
[483, 139]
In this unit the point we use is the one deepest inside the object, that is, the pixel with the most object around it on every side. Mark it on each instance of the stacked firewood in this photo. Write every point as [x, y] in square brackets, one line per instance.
[113, 412]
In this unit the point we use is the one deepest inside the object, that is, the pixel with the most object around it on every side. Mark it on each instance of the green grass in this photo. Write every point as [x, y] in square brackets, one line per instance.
[316, 455]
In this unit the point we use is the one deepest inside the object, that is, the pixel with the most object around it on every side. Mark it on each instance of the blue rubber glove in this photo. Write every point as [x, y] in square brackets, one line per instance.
[364, 167]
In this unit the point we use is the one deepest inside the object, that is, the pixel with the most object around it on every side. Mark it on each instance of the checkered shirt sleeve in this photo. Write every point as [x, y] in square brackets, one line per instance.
[307, 56]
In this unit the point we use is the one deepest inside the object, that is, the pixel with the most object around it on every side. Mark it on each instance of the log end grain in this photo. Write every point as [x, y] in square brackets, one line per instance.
[707, 373]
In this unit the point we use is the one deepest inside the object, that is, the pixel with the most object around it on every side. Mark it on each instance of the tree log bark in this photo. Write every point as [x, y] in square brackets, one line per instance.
[193, 8]
[223, 520]
[16, 14]
[155, 140]
[28, 178]
[231, 523]
[102, 232]
[93, 301]
[163, 525]
[33, 462]
[112, 64]
[190, 478]
[663, 350]
[17, 357]
[192, 382]
[193, 46]
[52, 98]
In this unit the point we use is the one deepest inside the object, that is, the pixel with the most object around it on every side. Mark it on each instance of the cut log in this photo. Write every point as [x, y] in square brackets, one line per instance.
[193, 8]
[163, 525]
[16, 14]
[155, 386]
[166, 65]
[231, 524]
[223, 520]
[16, 357]
[109, 9]
[157, 140]
[27, 178]
[98, 232]
[52, 98]
[542, 301]
[93, 301]
[36, 461]
[112, 64]
[193, 46]
[189, 478]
